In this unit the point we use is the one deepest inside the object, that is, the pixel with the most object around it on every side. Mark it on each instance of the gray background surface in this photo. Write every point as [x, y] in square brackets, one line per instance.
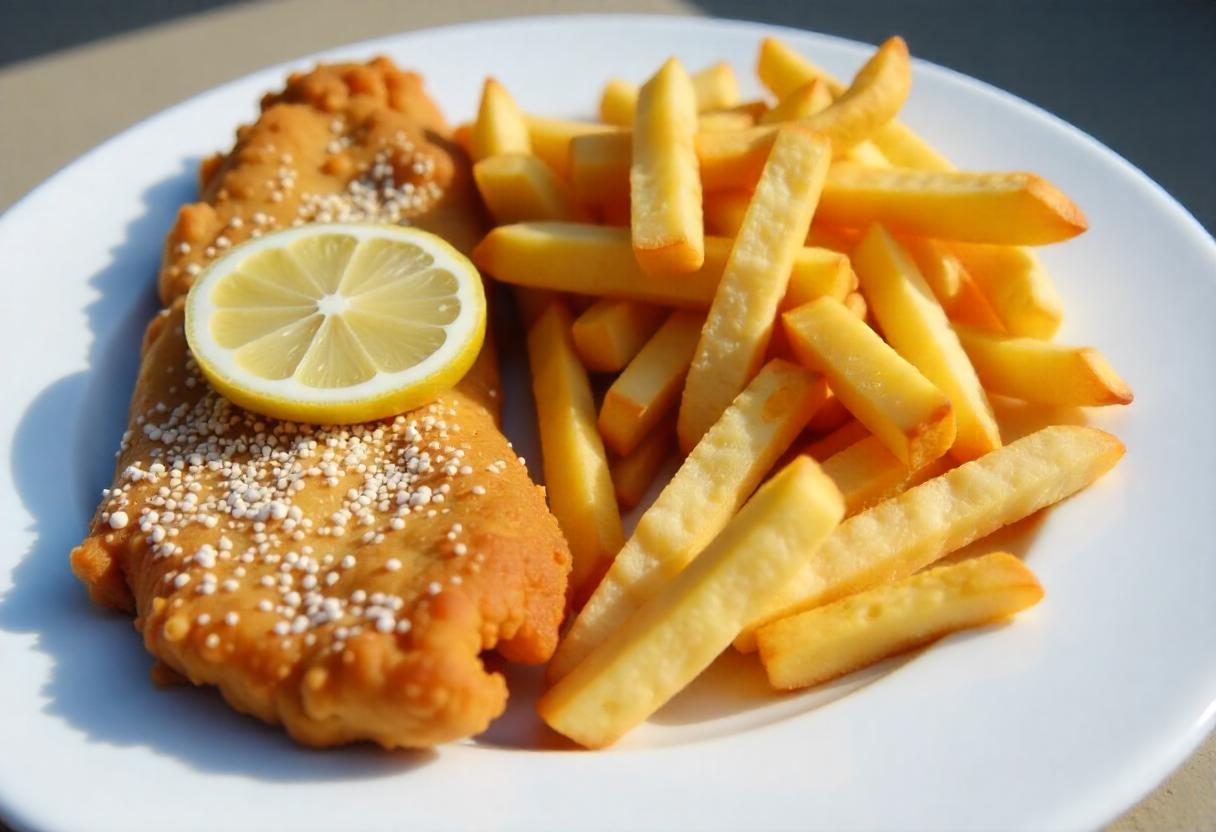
[1140, 76]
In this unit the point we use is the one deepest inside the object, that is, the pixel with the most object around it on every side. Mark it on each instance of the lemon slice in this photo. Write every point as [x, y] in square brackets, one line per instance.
[337, 324]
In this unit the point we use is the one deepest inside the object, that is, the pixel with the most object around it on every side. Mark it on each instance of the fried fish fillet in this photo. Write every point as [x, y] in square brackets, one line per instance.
[340, 581]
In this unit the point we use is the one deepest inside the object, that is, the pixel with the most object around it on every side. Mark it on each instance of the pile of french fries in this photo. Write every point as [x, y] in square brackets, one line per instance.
[812, 308]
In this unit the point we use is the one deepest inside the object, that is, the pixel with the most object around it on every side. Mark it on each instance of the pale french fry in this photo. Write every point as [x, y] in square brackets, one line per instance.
[517, 187]
[1006, 208]
[857, 631]
[782, 70]
[867, 473]
[720, 120]
[500, 126]
[716, 87]
[551, 139]
[664, 186]
[878, 386]
[634, 473]
[850, 433]
[618, 102]
[873, 99]
[1017, 287]
[705, 492]
[676, 635]
[806, 100]
[595, 260]
[866, 153]
[1043, 372]
[740, 320]
[856, 304]
[906, 533]
[649, 388]
[915, 325]
[577, 479]
[609, 334]
[903, 148]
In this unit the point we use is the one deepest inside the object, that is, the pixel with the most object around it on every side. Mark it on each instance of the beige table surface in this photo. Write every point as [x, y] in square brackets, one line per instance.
[54, 108]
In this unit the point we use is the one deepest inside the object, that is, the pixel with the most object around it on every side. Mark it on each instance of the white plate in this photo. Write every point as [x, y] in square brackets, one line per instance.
[1059, 721]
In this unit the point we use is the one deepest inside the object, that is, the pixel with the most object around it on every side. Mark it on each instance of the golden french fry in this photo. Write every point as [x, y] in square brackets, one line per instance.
[595, 260]
[599, 167]
[716, 87]
[833, 239]
[867, 154]
[720, 120]
[724, 212]
[633, 473]
[903, 148]
[740, 320]
[1007, 208]
[878, 386]
[577, 479]
[609, 334]
[783, 70]
[500, 126]
[618, 102]
[517, 187]
[649, 388]
[1017, 287]
[732, 161]
[971, 308]
[872, 100]
[705, 492]
[867, 473]
[855, 303]
[1043, 372]
[806, 100]
[673, 637]
[906, 533]
[850, 433]
[664, 186]
[939, 266]
[857, 631]
[915, 325]
[551, 138]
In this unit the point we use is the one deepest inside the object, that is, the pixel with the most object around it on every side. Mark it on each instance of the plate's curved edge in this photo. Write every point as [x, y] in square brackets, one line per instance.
[1168, 754]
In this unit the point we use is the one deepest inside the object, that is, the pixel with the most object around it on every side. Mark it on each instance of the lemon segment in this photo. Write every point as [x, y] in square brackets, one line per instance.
[337, 324]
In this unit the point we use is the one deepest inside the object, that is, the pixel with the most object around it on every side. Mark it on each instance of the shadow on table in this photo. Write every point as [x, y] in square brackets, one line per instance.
[62, 457]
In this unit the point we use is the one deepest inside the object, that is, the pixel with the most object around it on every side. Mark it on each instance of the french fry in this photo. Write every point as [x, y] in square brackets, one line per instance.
[1017, 287]
[907, 533]
[633, 473]
[705, 492]
[599, 167]
[618, 102]
[867, 473]
[715, 88]
[833, 239]
[806, 100]
[609, 334]
[733, 161]
[676, 635]
[857, 631]
[939, 266]
[1006, 208]
[664, 186]
[971, 308]
[1043, 372]
[551, 139]
[783, 70]
[595, 260]
[724, 212]
[915, 325]
[903, 148]
[517, 187]
[880, 388]
[873, 99]
[850, 433]
[855, 303]
[500, 126]
[578, 482]
[756, 108]
[866, 153]
[721, 120]
[649, 388]
[740, 320]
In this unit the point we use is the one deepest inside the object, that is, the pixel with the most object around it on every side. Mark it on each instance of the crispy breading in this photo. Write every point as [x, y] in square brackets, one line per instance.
[340, 581]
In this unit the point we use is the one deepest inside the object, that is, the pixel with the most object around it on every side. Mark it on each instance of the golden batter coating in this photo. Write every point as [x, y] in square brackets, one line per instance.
[340, 581]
